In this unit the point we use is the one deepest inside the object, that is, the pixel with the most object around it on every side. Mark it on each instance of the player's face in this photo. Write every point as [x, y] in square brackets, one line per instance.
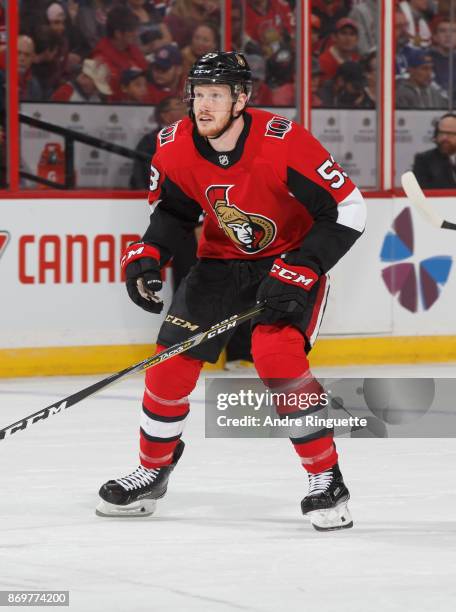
[212, 107]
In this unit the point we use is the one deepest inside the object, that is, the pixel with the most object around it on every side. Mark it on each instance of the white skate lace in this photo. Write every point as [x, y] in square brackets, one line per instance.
[139, 478]
[319, 483]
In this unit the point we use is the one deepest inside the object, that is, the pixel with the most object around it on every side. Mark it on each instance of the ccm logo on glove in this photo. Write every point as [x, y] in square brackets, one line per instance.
[136, 251]
[299, 276]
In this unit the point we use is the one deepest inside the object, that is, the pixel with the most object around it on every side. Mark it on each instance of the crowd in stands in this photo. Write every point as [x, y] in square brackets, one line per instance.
[140, 51]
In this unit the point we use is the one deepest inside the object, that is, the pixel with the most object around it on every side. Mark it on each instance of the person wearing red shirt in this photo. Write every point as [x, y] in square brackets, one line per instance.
[268, 23]
[279, 213]
[118, 50]
[343, 49]
[165, 72]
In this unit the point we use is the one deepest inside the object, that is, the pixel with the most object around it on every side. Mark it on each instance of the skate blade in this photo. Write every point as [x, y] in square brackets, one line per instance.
[331, 519]
[145, 507]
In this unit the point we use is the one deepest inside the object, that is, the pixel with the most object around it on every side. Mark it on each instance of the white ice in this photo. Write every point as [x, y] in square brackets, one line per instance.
[229, 535]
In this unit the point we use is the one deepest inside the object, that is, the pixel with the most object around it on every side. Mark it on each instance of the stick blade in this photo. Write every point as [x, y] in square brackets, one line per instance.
[417, 198]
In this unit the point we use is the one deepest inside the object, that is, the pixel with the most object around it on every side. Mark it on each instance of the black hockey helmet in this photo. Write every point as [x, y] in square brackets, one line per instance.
[220, 68]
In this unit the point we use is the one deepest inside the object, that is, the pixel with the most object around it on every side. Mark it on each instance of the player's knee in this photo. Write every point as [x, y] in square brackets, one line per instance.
[174, 378]
[279, 351]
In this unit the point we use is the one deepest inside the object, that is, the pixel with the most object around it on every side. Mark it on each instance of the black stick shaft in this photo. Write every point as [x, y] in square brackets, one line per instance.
[176, 349]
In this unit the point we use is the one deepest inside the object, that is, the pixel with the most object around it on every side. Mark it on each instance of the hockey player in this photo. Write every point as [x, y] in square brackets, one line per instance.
[280, 212]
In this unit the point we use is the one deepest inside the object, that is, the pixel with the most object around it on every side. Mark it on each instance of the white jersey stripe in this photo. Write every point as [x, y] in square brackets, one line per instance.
[352, 211]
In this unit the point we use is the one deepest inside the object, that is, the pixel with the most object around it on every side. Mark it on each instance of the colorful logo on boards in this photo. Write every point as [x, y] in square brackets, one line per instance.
[409, 281]
[4, 239]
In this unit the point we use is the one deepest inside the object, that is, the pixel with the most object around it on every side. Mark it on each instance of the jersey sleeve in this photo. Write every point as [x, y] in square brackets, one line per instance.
[173, 213]
[333, 201]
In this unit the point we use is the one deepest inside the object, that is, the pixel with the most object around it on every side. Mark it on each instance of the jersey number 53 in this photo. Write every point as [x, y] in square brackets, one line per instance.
[329, 173]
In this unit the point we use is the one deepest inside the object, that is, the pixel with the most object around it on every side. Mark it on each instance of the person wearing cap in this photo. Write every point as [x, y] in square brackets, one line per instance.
[420, 90]
[134, 86]
[329, 12]
[118, 49]
[73, 42]
[343, 49]
[164, 73]
[90, 84]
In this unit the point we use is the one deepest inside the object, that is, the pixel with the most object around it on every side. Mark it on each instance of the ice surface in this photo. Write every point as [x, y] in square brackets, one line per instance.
[229, 535]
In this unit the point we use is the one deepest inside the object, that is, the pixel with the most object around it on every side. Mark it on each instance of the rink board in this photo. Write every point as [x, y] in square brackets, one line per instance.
[66, 299]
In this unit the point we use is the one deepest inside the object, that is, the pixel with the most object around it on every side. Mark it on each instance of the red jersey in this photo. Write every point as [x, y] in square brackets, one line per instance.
[277, 191]
[118, 61]
[330, 60]
[279, 16]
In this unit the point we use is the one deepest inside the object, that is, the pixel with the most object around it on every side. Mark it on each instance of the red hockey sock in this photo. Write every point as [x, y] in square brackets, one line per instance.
[279, 355]
[166, 407]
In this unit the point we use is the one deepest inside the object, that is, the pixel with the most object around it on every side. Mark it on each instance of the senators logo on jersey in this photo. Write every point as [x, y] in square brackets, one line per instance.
[249, 232]
[168, 133]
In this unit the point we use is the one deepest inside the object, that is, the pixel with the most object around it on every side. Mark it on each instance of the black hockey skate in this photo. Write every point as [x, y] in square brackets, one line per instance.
[326, 502]
[137, 493]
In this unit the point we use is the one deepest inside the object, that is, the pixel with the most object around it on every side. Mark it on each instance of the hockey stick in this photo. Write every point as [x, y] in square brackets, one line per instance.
[176, 349]
[416, 196]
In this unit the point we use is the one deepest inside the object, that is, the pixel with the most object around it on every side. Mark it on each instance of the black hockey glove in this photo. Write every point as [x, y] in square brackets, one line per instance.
[141, 263]
[286, 290]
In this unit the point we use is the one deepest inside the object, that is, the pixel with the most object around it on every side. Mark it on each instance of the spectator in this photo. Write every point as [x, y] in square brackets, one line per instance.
[169, 110]
[280, 71]
[152, 39]
[29, 87]
[418, 28]
[369, 64]
[347, 89]
[91, 19]
[204, 40]
[419, 90]
[261, 93]
[402, 44]
[73, 45]
[269, 24]
[89, 84]
[436, 168]
[149, 18]
[133, 83]
[165, 72]
[343, 49]
[182, 19]
[315, 27]
[444, 38]
[365, 15]
[118, 49]
[315, 84]
[330, 12]
[46, 61]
